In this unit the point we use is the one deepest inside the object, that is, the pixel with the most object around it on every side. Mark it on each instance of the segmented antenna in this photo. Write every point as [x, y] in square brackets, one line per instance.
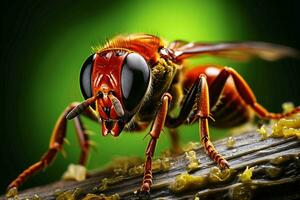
[117, 105]
[81, 107]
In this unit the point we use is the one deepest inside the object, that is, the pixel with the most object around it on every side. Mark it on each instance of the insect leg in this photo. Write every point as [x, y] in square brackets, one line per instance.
[56, 142]
[199, 93]
[138, 126]
[83, 140]
[203, 112]
[186, 108]
[82, 136]
[157, 126]
[248, 96]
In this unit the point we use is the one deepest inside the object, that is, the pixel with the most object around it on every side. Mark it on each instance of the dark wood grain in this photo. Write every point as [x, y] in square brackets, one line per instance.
[276, 175]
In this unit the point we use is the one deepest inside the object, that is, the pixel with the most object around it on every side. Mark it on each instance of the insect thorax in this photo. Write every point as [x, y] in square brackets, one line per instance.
[163, 75]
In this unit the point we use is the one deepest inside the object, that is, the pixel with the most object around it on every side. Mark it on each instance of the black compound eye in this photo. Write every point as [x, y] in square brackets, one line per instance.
[85, 77]
[135, 79]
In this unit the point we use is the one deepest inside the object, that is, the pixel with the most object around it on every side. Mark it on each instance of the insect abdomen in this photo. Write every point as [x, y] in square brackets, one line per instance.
[230, 110]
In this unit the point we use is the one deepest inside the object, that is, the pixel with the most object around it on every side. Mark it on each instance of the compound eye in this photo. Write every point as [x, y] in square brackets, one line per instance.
[135, 79]
[85, 77]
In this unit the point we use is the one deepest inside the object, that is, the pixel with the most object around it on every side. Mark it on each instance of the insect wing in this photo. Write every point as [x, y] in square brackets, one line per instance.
[241, 51]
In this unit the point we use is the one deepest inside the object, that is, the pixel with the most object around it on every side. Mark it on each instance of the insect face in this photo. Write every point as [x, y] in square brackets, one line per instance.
[120, 79]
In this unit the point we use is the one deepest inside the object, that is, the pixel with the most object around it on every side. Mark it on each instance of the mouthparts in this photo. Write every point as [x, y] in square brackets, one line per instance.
[114, 127]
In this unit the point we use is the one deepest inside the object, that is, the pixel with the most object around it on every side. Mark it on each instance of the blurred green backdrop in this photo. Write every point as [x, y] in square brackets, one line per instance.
[45, 43]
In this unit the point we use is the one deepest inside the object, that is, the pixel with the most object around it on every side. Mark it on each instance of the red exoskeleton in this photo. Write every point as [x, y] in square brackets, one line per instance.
[135, 80]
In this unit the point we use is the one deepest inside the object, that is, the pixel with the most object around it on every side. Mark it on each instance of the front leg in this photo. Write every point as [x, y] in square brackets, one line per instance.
[154, 133]
[56, 143]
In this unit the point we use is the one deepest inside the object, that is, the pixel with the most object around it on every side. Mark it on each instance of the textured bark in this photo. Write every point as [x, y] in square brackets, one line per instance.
[276, 175]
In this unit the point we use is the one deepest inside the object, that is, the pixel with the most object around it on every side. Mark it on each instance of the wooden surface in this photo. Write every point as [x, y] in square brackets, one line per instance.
[276, 175]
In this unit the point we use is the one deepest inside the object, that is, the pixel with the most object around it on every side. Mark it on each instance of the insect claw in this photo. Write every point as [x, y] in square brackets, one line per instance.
[146, 135]
[211, 117]
[188, 120]
[63, 152]
[89, 132]
[143, 194]
[66, 141]
[93, 145]
[11, 192]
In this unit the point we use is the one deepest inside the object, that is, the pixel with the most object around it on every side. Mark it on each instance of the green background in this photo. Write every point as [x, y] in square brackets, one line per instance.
[44, 45]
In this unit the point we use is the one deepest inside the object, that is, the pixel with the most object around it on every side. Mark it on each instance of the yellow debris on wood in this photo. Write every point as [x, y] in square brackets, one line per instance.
[36, 197]
[193, 161]
[230, 142]
[287, 127]
[75, 172]
[121, 165]
[136, 170]
[287, 107]
[163, 164]
[109, 181]
[246, 175]
[191, 146]
[216, 175]
[101, 197]
[185, 182]
[69, 194]
[263, 132]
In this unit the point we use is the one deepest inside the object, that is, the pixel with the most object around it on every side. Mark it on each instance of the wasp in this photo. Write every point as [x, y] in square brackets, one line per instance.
[137, 80]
